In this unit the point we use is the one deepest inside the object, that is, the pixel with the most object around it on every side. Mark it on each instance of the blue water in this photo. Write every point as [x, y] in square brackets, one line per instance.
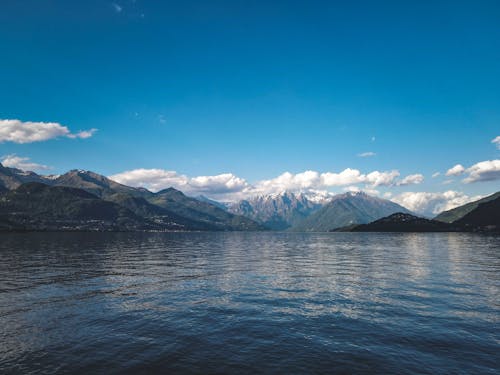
[250, 303]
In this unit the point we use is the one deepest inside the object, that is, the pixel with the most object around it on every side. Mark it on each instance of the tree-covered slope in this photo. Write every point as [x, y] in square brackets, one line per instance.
[348, 209]
[36, 206]
[486, 216]
[402, 222]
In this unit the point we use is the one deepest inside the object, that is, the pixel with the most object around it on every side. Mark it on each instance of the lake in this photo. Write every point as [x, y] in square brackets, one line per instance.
[249, 303]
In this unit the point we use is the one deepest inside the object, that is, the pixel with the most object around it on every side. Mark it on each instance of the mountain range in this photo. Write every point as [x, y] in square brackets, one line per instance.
[168, 209]
[84, 200]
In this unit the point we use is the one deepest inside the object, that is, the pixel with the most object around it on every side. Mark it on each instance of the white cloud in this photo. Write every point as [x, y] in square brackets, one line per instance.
[312, 180]
[496, 141]
[488, 170]
[367, 154]
[158, 179]
[219, 184]
[27, 131]
[437, 174]
[377, 178]
[227, 186]
[433, 203]
[288, 181]
[411, 179]
[456, 170]
[347, 177]
[24, 163]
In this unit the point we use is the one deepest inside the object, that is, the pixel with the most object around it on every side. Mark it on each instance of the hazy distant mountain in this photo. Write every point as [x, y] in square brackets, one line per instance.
[36, 206]
[402, 222]
[486, 216]
[221, 205]
[276, 211]
[348, 209]
[459, 212]
[194, 209]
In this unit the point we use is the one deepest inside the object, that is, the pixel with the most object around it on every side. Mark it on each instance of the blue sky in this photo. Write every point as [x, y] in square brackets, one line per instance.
[257, 88]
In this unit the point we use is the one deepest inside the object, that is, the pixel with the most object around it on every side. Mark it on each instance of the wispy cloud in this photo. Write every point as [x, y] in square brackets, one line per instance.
[18, 131]
[496, 141]
[24, 163]
[117, 7]
[84, 134]
[367, 154]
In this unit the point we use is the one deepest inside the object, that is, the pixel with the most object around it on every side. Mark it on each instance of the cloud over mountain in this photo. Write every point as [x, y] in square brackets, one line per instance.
[432, 203]
[18, 131]
[24, 163]
[157, 179]
[228, 186]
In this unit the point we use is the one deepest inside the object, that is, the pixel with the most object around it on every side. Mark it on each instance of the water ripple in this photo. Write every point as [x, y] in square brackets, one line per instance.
[249, 303]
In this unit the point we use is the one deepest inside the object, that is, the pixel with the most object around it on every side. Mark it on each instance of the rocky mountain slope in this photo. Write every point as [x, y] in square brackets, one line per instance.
[194, 209]
[11, 178]
[277, 211]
